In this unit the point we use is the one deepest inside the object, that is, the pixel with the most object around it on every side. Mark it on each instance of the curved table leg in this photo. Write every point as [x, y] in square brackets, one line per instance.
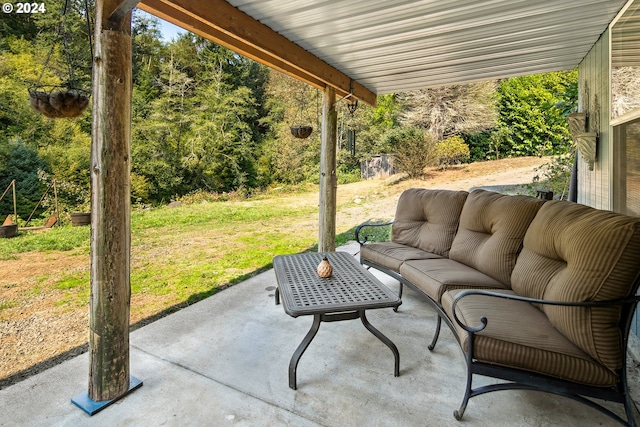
[399, 296]
[293, 364]
[384, 339]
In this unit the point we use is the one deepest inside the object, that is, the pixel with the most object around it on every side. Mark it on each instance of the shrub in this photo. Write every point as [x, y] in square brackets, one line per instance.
[555, 175]
[139, 188]
[452, 151]
[413, 148]
[480, 147]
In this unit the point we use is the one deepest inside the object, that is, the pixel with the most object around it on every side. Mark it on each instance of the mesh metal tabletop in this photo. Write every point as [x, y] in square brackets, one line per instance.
[351, 287]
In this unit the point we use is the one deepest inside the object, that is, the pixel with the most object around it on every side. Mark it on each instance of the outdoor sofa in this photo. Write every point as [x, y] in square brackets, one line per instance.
[538, 293]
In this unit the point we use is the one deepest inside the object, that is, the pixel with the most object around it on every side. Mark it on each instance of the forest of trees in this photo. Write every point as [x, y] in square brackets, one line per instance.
[208, 120]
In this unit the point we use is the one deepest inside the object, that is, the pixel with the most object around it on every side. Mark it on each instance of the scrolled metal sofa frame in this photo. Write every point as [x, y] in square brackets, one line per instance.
[470, 255]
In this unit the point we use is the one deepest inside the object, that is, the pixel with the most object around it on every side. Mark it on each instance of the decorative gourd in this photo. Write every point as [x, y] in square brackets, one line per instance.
[324, 268]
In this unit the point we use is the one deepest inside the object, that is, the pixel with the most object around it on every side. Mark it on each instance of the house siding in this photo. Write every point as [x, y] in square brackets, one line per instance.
[594, 186]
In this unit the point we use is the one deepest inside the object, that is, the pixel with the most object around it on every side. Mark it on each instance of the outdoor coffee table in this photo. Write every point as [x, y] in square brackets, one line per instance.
[346, 295]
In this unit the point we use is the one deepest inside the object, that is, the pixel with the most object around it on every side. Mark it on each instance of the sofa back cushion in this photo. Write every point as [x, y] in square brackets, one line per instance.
[491, 230]
[572, 252]
[427, 219]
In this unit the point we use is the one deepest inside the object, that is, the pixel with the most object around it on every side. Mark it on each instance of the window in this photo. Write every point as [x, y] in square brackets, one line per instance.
[625, 110]
[627, 188]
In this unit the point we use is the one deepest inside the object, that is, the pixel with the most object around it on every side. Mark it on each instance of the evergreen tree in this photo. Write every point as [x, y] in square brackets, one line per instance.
[20, 162]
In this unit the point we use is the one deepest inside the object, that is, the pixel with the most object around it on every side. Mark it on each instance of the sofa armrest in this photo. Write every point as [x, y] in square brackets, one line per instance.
[483, 320]
[365, 238]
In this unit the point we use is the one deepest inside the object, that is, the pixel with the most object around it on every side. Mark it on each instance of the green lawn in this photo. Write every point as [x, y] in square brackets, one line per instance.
[183, 254]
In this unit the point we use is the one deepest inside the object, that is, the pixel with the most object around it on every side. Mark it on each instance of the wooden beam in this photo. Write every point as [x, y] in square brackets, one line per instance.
[226, 25]
[123, 10]
[110, 207]
[328, 176]
[196, 26]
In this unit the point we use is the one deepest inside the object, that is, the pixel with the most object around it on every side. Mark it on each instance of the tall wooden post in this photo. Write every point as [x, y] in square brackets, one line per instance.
[110, 206]
[328, 177]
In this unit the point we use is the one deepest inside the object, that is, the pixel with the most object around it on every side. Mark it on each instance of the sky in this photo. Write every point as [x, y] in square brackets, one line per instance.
[169, 31]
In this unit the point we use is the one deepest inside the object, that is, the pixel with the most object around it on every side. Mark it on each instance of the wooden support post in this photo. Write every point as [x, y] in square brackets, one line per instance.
[328, 177]
[110, 206]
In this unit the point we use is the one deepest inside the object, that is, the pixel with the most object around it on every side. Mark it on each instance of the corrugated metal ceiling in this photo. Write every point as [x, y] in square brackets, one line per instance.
[625, 38]
[396, 46]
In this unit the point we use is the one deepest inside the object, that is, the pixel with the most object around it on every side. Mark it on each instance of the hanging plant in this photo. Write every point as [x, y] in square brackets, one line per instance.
[59, 102]
[300, 130]
[65, 101]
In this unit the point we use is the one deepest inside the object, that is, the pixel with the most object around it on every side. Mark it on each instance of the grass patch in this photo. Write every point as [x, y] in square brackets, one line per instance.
[64, 238]
[7, 304]
[8, 256]
[72, 282]
[370, 233]
[181, 255]
[33, 291]
[187, 253]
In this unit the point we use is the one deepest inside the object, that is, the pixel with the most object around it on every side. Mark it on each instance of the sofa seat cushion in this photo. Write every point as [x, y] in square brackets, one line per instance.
[391, 255]
[427, 219]
[491, 230]
[573, 252]
[435, 276]
[519, 335]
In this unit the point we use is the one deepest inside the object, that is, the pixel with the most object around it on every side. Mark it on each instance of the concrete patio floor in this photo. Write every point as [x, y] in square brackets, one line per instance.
[224, 361]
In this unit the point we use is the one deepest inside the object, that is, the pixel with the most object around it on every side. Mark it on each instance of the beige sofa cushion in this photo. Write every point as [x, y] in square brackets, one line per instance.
[491, 230]
[576, 253]
[391, 255]
[519, 335]
[435, 276]
[427, 219]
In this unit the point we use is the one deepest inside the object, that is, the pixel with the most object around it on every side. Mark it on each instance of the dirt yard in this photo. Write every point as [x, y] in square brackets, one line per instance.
[39, 332]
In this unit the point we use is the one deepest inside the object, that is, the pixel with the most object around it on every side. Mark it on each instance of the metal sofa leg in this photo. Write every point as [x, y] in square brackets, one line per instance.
[467, 391]
[629, 405]
[436, 334]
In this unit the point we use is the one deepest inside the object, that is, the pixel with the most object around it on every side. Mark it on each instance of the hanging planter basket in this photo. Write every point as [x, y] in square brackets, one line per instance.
[59, 102]
[67, 100]
[301, 132]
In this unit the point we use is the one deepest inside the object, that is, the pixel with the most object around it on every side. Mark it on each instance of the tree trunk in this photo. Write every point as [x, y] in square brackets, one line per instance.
[110, 206]
[328, 177]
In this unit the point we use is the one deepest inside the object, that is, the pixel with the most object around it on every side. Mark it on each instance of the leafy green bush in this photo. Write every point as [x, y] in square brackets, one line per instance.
[348, 168]
[532, 114]
[556, 175]
[452, 151]
[139, 188]
[479, 147]
[414, 149]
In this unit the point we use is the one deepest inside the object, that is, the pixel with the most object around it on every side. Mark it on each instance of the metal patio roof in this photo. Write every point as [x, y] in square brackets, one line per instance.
[396, 46]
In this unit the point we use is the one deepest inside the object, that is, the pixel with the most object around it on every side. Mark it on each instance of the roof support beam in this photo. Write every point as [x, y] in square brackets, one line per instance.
[123, 10]
[328, 176]
[222, 23]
